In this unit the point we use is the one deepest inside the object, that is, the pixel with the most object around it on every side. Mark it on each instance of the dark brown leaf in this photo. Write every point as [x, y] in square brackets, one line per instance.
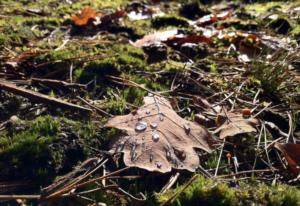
[291, 153]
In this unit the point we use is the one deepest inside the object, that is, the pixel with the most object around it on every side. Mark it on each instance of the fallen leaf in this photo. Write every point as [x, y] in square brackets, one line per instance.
[212, 18]
[231, 124]
[144, 13]
[291, 153]
[158, 139]
[155, 38]
[87, 15]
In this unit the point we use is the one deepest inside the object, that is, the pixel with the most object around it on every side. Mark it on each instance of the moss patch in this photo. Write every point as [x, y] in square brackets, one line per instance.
[46, 147]
[211, 192]
[261, 8]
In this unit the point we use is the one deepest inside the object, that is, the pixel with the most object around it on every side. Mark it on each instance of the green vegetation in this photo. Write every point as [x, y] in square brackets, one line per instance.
[212, 192]
[38, 152]
[38, 40]
[270, 77]
[262, 8]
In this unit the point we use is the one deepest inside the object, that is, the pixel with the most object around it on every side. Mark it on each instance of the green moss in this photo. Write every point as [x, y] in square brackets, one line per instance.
[125, 58]
[134, 95]
[169, 20]
[53, 56]
[139, 28]
[211, 192]
[268, 76]
[296, 32]
[26, 152]
[262, 8]
[45, 147]
[97, 70]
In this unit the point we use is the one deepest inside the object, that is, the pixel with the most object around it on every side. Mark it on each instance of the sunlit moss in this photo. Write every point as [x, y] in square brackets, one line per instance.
[211, 192]
[262, 8]
[40, 150]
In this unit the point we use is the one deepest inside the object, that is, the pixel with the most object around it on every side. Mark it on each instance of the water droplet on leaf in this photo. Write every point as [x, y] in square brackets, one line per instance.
[151, 157]
[141, 126]
[187, 128]
[155, 136]
[153, 125]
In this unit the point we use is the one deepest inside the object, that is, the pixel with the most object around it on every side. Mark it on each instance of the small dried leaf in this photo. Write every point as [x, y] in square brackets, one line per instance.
[158, 139]
[212, 18]
[231, 124]
[291, 153]
[87, 15]
[155, 38]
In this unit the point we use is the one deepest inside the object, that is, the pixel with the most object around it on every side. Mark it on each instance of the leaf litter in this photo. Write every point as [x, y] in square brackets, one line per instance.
[158, 139]
[211, 64]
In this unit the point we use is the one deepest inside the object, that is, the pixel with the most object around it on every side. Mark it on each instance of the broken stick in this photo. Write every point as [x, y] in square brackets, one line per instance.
[40, 98]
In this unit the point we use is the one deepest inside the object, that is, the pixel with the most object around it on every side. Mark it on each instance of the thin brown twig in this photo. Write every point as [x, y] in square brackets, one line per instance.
[58, 193]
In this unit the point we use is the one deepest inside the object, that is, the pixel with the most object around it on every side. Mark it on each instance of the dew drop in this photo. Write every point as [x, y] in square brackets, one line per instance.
[133, 156]
[168, 154]
[187, 128]
[153, 125]
[155, 136]
[161, 117]
[141, 126]
[151, 157]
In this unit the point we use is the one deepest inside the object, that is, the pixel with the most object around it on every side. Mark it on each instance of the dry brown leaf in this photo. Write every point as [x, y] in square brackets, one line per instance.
[231, 124]
[158, 139]
[291, 153]
[87, 15]
[155, 38]
[212, 18]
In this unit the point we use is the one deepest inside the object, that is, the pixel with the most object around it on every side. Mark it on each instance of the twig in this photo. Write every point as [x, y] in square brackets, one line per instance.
[257, 147]
[41, 98]
[227, 97]
[131, 83]
[94, 107]
[56, 83]
[170, 183]
[58, 193]
[262, 110]
[182, 190]
[13, 197]
[246, 172]
[290, 133]
[219, 159]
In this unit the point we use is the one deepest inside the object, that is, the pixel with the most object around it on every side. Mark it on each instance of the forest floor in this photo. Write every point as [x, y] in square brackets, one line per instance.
[224, 75]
